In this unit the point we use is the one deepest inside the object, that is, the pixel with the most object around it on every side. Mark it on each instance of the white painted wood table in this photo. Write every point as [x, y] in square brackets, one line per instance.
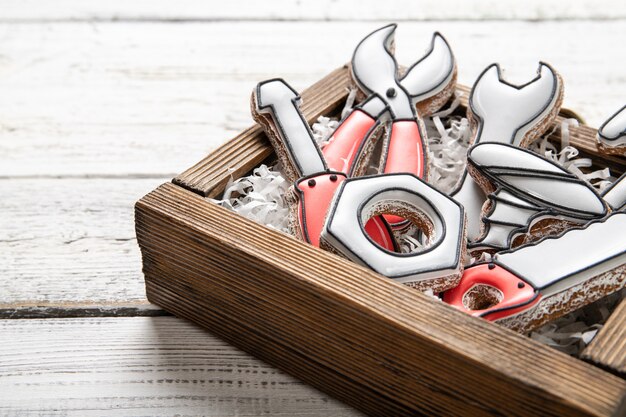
[101, 101]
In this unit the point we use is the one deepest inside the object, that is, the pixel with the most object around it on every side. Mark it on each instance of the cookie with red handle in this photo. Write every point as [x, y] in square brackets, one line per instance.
[275, 105]
[526, 287]
[394, 101]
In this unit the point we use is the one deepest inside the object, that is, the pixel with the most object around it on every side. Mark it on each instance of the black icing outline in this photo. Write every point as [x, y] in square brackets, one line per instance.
[300, 193]
[295, 101]
[337, 197]
[576, 229]
[610, 188]
[620, 135]
[446, 80]
[541, 209]
[363, 86]
[481, 122]
[436, 244]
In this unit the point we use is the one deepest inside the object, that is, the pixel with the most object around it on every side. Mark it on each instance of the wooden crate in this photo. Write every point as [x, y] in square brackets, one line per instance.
[377, 345]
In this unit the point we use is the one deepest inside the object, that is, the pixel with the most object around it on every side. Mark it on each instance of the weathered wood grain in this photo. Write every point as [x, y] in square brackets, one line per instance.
[370, 342]
[67, 241]
[157, 366]
[184, 10]
[608, 348]
[136, 99]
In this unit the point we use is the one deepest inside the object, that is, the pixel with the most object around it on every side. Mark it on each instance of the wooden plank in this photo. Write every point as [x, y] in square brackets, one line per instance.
[608, 348]
[70, 241]
[316, 315]
[158, 366]
[325, 10]
[135, 99]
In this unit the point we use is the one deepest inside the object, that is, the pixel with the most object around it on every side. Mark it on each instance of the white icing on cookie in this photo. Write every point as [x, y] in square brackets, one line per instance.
[506, 113]
[278, 98]
[529, 188]
[612, 133]
[375, 71]
[354, 203]
[431, 74]
[556, 264]
[615, 195]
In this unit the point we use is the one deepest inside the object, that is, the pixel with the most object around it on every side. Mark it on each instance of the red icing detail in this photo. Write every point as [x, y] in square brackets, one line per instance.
[315, 199]
[499, 278]
[344, 145]
[405, 154]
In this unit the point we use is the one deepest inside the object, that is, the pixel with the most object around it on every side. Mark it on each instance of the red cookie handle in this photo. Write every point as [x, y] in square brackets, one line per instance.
[516, 295]
[316, 193]
[347, 140]
[405, 154]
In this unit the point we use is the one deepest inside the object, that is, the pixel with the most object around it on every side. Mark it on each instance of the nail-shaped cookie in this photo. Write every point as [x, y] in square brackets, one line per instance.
[535, 283]
[275, 105]
[436, 267]
[506, 113]
[527, 194]
[612, 133]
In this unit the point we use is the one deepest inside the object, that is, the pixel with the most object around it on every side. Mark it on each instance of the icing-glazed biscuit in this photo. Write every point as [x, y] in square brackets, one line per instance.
[393, 101]
[436, 267]
[527, 193]
[612, 133]
[505, 113]
[615, 195]
[526, 287]
[275, 105]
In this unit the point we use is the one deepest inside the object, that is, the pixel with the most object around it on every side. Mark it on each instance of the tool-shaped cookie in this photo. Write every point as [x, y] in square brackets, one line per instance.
[615, 195]
[527, 193]
[534, 283]
[275, 105]
[438, 266]
[428, 83]
[612, 133]
[392, 100]
[506, 113]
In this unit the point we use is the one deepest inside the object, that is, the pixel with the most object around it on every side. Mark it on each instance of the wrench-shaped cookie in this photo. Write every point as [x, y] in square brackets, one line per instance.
[275, 105]
[506, 113]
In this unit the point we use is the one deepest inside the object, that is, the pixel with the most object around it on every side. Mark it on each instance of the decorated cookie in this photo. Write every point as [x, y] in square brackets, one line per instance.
[528, 196]
[275, 105]
[615, 195]
[506, 113]
[612, 133]
[535, 283]
[393, 101]
[437, 267]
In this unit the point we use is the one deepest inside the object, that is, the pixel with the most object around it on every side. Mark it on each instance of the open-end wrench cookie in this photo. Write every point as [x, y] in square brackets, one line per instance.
[506, 113]
[275, 105]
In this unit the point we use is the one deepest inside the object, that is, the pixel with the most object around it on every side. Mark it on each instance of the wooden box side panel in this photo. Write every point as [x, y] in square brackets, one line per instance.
[346, 330]
[608, 348]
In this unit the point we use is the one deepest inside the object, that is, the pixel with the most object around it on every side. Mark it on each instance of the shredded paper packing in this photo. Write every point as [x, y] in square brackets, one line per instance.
[261, 197]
